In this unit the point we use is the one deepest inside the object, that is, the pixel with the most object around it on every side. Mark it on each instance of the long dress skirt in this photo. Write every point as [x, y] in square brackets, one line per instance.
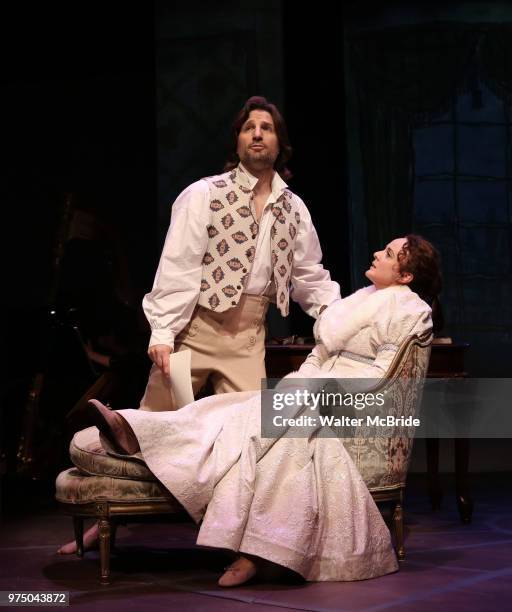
[298, 502]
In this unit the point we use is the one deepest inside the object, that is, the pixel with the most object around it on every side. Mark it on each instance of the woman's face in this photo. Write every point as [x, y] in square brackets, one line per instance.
[384, 270]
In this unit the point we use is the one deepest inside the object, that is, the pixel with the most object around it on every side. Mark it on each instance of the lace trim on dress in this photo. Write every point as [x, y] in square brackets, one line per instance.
[387, 347]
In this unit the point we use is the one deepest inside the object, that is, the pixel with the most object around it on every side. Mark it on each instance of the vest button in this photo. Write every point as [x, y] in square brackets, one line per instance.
[244, 270]
[233, 303]
[253, 236]
[239, 287]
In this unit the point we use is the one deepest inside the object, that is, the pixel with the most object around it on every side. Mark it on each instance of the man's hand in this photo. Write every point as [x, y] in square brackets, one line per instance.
[159, 355]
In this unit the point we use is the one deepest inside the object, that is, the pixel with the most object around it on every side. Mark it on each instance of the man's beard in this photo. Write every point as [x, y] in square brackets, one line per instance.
[260, 161]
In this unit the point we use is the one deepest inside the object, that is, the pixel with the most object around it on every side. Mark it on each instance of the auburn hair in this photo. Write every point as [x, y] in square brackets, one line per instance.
[420, 257]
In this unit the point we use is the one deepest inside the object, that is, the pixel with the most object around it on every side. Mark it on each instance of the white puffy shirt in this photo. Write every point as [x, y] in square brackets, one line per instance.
[170, 304]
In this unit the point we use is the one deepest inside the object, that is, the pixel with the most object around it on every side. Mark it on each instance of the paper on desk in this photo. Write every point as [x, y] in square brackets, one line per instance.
[181, 379]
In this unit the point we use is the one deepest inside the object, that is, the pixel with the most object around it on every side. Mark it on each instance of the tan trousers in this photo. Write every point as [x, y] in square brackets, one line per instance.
[227, 347]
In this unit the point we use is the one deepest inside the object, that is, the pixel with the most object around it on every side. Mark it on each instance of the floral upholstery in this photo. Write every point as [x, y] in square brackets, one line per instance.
[73, 487]
[383, 462]
[89, 456]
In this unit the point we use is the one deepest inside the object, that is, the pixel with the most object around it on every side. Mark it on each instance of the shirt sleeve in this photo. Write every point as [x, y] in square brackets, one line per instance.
[312, 286]
[169, 305]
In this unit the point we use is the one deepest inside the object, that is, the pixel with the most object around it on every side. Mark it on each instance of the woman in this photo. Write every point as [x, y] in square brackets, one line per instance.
[297, 502]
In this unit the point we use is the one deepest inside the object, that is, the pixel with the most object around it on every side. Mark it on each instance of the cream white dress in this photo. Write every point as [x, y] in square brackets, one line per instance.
[299, 502]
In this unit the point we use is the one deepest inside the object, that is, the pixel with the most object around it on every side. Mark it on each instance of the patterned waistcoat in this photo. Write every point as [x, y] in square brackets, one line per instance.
[232, 236]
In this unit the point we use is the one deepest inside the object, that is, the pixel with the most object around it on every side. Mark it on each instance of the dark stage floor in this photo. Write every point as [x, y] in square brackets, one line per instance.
[448, 565]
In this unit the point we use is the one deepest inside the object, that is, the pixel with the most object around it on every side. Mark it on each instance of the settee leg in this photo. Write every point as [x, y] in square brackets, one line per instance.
[78, 527]
[435, 491]
[104, 530]
[398, 521]
[113, 533]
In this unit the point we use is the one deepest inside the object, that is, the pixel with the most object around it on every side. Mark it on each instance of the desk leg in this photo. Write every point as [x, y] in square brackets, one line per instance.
[464, 501]
[434, 486]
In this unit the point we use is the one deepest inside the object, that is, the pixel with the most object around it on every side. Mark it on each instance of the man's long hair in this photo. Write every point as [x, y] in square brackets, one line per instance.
[285, 150]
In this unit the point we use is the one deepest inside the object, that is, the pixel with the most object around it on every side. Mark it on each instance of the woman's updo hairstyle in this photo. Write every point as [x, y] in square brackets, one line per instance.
[419, 257]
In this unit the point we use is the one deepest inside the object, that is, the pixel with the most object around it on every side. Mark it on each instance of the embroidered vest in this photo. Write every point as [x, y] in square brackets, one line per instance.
[232, 236]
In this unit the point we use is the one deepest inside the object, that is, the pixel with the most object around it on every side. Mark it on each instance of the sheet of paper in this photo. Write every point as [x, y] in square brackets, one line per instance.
[181, 380]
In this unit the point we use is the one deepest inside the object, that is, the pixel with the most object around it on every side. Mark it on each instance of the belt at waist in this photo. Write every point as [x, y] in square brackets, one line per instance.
[353, 356]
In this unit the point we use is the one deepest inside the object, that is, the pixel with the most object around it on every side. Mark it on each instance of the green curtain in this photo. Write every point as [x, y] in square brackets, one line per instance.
[495, 57]
[399, 77]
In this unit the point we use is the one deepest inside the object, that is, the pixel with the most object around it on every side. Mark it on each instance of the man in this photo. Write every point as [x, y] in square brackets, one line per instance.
[236, 241]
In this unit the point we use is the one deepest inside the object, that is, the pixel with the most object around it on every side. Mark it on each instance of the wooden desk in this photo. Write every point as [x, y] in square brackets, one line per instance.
[446, 361]
[281, 359]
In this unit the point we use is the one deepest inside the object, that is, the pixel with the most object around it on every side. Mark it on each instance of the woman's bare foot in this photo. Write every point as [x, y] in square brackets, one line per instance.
[239, 572]
[91, 539]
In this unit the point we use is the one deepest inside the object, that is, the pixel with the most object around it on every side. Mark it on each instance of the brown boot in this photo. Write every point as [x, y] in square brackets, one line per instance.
[112, 425]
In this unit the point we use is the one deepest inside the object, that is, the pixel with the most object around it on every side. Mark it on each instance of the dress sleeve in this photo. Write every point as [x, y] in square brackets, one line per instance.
[313, 362]
[399, 321]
